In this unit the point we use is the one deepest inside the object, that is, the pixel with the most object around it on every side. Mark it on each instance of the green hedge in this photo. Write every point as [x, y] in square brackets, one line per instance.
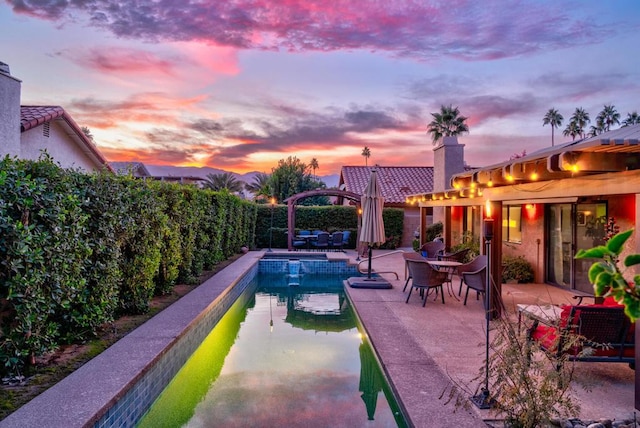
[329, 218]
[79, 249]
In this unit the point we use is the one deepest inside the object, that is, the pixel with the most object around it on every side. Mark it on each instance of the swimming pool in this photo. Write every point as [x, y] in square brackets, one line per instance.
[282, 355]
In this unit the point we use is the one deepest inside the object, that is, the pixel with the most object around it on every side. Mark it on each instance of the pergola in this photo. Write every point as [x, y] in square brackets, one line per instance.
[291, 208]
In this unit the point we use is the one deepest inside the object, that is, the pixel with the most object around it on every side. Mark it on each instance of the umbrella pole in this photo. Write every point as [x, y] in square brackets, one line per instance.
[369, 270]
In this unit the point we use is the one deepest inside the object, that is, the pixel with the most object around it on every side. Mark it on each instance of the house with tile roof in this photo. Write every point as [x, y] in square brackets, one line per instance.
[27, 131]
[397, 184]
[548, 205]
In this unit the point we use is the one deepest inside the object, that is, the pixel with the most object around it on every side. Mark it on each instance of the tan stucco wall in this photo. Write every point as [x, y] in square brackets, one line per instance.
[63, 150]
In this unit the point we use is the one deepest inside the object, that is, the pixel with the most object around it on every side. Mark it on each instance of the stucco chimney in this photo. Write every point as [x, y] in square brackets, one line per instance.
[448, 159]
[9, 113]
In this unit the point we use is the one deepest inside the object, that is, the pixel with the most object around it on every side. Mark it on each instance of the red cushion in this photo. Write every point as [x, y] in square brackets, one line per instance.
[547, 336]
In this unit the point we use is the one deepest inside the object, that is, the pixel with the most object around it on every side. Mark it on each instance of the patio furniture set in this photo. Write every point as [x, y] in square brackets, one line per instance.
[320, 240]
[430, 269]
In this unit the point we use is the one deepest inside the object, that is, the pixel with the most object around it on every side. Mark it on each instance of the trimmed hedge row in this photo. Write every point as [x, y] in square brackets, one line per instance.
[77, 250]
[329, 218]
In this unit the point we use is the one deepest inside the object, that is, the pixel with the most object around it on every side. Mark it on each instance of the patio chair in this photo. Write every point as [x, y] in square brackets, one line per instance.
[336, 241]
[458, 256]
[322, 241]
[299, 243]
[432, 249]
[476, 280]
[425, 278]
[345, 238]
[409, 256]
[472, 266]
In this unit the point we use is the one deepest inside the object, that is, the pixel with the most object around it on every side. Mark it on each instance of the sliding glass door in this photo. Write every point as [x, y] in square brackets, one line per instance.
[560, 244]
[570, 228]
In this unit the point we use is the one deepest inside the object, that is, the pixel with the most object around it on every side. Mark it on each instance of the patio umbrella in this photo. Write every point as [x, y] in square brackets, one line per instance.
[372, 231]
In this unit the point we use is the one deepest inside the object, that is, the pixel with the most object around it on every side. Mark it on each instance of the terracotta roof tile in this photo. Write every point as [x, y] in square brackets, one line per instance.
[32, 116]
[396, 182]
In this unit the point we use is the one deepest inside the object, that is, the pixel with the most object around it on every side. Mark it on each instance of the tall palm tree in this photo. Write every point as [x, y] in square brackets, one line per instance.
[314, 165]
[367, 154]
[632, 119]
[609, 116]
[580, 118]
[260, 187]
[553, 118]
[572, 130]
[225, 180]
[447, 123]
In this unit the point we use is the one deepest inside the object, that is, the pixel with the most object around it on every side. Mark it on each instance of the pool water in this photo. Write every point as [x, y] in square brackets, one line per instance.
[281, 356]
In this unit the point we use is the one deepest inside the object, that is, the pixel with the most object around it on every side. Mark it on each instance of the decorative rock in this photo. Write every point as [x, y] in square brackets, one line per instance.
[597, 425]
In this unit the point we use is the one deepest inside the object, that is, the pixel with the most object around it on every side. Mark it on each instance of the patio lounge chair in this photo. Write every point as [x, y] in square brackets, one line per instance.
[425, 278]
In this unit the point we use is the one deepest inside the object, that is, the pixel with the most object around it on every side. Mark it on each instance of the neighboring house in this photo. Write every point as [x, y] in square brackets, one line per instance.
[135, 169]
[396, 183]
[139, 170]
[550, 204]
[27, 131]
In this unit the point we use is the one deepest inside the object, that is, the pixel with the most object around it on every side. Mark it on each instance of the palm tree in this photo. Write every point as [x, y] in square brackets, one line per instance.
[572, 130]
[553, 118]
[594, 131]
[367, 154]
[87, 132]
[260, 187]
[447, 123]
[580, 118]
[314, 165]
[225, 180]
[632, 119]
[609, 116]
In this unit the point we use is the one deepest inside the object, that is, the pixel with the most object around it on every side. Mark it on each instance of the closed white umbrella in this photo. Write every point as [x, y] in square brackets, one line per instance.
[372, 231]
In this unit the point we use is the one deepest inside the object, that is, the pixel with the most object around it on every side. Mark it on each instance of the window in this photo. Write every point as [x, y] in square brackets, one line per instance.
[512, 223]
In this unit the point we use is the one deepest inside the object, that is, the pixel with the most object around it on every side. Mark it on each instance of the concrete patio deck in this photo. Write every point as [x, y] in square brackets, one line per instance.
[426, 349]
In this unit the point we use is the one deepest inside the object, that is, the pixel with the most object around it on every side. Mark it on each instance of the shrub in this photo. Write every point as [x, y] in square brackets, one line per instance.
[433, 231]
[517, 268]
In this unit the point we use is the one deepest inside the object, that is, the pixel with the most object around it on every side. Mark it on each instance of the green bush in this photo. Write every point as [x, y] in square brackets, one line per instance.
[468, 242]
[77, 249]
[433, 231]
[516, 268]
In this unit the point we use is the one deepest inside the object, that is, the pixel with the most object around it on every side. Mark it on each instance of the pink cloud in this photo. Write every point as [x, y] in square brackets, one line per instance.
[463, 29]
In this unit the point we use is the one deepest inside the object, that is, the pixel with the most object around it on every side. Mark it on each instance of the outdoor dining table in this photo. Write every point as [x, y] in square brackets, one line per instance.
[450, 267]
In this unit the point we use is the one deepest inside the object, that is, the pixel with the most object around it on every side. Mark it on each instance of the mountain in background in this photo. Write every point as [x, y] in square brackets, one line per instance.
[202, 172]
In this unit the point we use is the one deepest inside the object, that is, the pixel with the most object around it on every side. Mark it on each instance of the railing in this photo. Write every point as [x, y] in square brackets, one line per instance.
[377, 257]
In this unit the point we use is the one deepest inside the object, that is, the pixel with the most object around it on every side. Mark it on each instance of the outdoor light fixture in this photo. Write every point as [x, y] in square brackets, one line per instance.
[273, 202]
[483, 399]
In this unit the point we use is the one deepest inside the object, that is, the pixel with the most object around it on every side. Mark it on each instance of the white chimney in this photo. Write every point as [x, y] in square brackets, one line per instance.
[9, 112]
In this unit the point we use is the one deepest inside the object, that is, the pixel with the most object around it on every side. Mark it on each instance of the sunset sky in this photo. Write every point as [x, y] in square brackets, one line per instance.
[240, 84]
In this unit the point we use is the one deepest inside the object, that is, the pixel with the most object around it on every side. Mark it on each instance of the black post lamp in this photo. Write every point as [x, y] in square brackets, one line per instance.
[273, 202]
[483, 399]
